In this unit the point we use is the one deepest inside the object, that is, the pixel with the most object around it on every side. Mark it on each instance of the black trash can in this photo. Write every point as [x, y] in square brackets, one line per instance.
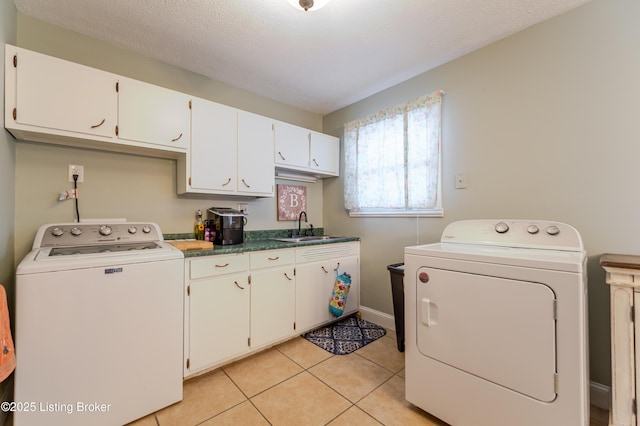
[397, 291]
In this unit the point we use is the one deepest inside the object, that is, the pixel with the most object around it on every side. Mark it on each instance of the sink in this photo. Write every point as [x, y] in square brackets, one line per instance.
[303, 238]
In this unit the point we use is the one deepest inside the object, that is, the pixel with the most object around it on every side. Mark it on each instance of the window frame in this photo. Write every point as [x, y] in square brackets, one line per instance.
[437, 210]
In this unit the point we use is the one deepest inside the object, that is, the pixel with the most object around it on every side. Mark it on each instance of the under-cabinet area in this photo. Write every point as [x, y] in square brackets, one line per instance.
[219, 149]
[236, 304]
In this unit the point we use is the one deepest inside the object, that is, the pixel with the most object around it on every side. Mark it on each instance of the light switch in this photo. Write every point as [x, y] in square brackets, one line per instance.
[461, 180]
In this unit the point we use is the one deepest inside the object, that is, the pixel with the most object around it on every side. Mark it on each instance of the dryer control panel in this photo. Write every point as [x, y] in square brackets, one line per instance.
[514, 233]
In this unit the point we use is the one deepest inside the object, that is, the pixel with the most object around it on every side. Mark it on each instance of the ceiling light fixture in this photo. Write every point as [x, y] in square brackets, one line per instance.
[308, 5]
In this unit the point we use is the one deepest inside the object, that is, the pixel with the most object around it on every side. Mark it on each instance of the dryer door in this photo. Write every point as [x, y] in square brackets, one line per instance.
[500, 330]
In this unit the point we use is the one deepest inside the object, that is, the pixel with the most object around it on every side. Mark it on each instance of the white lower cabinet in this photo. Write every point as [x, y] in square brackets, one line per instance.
[238, 304]
[273, 297]
[217, 302]
[316, 273]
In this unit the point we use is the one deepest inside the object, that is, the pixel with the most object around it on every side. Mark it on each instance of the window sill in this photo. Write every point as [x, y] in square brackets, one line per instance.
[396, 213]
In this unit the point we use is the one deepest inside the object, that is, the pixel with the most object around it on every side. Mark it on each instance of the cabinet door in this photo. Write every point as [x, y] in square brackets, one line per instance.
[324, 154]
[214, 147]
[57, 95]
[256, 173]
[152, 114]
[291, 146]
[218, 320]
[314, 288]
[272, 305]
[314, 284]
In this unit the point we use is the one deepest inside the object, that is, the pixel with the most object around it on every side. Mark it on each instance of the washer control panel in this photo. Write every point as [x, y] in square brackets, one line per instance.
[84, 234]
[514, 233]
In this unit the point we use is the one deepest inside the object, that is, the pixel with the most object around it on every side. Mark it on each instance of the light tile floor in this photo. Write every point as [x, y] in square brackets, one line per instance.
[297, 383]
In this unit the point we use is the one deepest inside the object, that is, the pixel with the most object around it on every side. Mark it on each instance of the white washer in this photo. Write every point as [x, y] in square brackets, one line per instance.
[496, 325]
[99, 325]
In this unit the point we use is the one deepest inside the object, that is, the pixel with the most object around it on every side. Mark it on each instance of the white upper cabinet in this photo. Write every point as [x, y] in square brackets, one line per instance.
[231, 152]
[47, 95]
[152, 114]
[256, 172]
[302, 150]
[213, 156]
[291, 146]
[324, 154]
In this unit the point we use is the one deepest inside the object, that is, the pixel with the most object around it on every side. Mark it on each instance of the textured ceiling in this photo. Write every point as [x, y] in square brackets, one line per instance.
[318, 61]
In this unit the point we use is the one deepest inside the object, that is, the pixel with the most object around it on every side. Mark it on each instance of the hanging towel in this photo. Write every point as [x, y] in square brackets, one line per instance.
[7, 354]
[340, 293]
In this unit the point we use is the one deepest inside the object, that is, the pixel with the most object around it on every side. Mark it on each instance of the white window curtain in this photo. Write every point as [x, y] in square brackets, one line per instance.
[392, 160]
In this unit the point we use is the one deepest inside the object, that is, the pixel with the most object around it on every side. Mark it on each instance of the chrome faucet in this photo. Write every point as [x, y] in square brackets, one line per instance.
[300, 219]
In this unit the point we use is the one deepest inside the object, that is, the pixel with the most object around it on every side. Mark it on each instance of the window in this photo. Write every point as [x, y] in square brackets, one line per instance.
[392, 161]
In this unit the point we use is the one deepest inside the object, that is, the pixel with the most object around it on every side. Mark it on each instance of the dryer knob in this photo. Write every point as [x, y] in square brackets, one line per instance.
[553, 230]
[105, 230]
[501, 227]
[533, 229]
[423, 277]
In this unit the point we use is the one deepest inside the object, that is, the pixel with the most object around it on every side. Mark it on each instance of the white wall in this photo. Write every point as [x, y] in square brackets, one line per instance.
[546, 125]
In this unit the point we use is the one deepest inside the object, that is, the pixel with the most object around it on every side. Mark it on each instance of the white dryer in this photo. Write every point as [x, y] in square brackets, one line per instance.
[496, 324]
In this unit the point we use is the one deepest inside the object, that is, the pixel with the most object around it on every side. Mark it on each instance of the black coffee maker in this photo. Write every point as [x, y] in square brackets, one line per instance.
[228, 225]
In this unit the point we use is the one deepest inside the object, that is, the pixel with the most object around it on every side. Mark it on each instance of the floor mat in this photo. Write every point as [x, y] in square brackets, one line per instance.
[345, 336]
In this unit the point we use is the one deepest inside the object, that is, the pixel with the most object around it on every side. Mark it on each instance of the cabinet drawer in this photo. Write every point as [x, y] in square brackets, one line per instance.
[327, 251]
[266, 259]
[218, 265]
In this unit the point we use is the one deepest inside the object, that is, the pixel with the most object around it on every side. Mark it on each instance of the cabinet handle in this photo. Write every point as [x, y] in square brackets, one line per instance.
[222, 266]
[178, 138]
[98, 125]
[274, 258]
[246, 184]
[325, 271]
[287, 276]
[238, 285]
[316, 163]
[227, 182]
[337, 267]
[281, 156]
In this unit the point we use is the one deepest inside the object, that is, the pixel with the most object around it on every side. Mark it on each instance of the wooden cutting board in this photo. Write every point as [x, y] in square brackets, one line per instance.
[189, 245]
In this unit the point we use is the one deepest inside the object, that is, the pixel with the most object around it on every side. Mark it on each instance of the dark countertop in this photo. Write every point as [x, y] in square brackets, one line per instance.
[259, 245]
[257, 241]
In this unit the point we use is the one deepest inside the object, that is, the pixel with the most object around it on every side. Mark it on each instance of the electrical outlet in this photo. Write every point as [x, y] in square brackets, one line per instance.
[76, 169]
[243, 207]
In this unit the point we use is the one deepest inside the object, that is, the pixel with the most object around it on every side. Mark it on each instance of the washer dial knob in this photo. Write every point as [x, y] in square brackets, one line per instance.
[146, 229]
[501, 227]
[105, 230]
[533, 229]
[57, 232]
[132, 229]
[553, 230]
[75, 231]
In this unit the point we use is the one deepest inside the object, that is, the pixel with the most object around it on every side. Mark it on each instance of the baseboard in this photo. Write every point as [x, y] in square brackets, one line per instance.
[599, 394]
[384, 320]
